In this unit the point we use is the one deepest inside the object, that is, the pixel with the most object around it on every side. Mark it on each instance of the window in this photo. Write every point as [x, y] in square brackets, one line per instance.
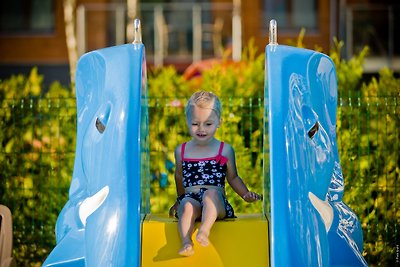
[375, 26]
[27, 16]
[292, 15]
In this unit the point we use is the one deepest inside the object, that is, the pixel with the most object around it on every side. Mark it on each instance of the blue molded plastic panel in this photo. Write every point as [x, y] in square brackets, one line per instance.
[310, 224]
[100, 224]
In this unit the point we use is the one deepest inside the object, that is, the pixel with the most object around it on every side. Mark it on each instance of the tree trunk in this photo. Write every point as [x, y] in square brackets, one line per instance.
[132, 12]
[70, 34]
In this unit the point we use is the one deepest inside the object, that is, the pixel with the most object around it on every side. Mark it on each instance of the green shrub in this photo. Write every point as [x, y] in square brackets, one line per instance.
[369, 144]
[37, 150]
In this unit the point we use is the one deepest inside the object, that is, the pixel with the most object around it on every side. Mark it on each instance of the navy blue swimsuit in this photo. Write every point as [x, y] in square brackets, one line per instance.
[205, 171]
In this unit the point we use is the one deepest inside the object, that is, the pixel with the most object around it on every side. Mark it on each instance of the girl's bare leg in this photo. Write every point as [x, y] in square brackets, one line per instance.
[189, 210]
[213, 209]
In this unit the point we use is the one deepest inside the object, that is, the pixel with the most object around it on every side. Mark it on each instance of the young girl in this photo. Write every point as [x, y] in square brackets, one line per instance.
[202, 165]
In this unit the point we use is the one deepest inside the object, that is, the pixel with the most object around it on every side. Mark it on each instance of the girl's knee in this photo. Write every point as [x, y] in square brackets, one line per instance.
[214, 199]
[188, 206]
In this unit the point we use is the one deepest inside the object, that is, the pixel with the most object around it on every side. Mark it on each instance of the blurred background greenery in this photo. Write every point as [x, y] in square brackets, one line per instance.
[38, 128]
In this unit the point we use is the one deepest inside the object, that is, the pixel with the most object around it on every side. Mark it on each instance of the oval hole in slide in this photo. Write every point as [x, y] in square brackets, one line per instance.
[102, 118]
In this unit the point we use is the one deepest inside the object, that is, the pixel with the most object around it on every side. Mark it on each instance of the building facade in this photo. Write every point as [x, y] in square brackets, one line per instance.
[33, 32]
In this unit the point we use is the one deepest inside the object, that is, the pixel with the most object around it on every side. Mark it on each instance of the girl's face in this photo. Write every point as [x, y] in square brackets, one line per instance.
[203, 124]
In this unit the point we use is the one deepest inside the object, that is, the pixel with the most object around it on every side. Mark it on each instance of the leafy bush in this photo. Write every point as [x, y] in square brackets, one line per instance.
[369, 141]
[37, 150]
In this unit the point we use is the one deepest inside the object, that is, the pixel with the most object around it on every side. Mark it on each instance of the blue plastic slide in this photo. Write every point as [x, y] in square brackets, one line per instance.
[310, 224]
[100, 224]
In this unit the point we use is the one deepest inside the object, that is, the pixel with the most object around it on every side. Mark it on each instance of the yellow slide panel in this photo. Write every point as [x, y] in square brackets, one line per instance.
[242, 241]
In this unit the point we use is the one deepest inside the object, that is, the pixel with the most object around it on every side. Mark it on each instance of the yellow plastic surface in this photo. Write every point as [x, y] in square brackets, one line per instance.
[233, 242]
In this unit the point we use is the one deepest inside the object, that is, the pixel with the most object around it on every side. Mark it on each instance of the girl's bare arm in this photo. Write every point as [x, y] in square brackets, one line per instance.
[234, 179]
[178, 179]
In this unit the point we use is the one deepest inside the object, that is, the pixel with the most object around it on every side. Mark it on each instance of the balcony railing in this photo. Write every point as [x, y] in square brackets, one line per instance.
[172, 32]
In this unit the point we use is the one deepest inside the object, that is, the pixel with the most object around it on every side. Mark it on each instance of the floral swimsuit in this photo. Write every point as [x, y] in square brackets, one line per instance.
[205, 171]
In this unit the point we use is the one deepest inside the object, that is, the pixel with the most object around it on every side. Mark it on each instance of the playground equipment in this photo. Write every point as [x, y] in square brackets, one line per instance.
[100, 224]
[106, 221]
[310, 224]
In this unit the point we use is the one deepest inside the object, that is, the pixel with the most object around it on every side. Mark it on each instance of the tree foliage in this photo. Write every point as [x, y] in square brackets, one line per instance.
[369, 144]
[37, 149]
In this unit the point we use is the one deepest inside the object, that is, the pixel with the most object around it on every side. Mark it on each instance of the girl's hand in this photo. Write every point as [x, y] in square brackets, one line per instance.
[251, 197]
[173, 209]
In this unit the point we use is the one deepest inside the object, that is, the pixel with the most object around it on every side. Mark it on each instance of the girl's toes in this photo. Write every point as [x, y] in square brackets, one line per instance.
[202, 238]
[187, 250]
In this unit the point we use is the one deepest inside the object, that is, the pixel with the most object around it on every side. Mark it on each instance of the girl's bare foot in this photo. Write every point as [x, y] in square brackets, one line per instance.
[186, 250]
[202, 238]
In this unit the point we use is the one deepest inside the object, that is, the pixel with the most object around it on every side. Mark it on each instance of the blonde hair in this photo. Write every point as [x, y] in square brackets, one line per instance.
[203, 99]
